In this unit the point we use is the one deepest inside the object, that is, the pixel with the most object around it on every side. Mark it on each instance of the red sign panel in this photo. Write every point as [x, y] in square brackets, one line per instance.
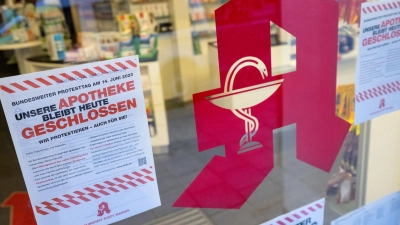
[242, 114]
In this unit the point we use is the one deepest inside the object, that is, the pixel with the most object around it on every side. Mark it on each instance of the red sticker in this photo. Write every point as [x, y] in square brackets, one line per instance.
[242, 114]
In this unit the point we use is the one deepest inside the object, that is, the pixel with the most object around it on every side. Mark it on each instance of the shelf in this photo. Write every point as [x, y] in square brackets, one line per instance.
[13, 46]
[147, 1]
[207, 20]
[163, 17]
[203, 3]
[349, 56]
[340, 209]
[160, 9]
[196, 5]
[203, 34]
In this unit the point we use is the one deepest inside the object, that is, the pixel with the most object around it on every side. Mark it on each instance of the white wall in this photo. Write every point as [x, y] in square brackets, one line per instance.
[167, 57]
[183, 41]
[383, 166]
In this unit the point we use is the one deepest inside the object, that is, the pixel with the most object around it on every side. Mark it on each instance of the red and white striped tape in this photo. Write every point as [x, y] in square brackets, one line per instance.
[381, 7]
[96, 191]
[381, 90]
[67, 77]
[304, 213]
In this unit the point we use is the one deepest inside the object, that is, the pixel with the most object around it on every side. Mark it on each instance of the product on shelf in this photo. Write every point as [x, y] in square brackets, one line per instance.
[56, 46]
[350, 10]
[342, 184]
[204, 9]
[138, 35]
[104, 12]
[95, 46]
[148, 37]
[32, 21]
[147, 24]
[109, 43]
[53, 20]
[128, 28]
[19, 25]
[347, 35]
[159, 9]
[11, 20]
[345, 102]
[196, 46]
[197, 14]
[202, 15]
[150, 116]
[347, 189]
[88, 48]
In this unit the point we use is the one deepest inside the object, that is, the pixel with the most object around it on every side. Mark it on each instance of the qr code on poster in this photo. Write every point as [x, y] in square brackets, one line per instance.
[142, 161]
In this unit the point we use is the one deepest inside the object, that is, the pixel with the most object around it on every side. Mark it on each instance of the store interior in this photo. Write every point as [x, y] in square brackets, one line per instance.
[177, 48]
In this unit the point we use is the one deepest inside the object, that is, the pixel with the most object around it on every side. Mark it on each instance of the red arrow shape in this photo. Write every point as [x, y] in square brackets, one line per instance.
[21, 212]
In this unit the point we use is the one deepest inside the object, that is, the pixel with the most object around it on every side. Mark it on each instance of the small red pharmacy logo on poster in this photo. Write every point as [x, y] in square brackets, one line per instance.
[382, 104]
[103, 208]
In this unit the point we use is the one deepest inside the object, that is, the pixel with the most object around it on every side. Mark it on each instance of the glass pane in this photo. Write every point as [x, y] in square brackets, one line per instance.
[250, 104]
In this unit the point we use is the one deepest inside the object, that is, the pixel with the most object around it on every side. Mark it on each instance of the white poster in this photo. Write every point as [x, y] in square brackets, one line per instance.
[378, 63]
[384, 211]
[82, 140]
[311, 214]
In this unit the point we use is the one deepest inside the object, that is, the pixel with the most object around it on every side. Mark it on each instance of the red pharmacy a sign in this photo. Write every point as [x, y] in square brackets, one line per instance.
[253, 101]
[21, 212]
